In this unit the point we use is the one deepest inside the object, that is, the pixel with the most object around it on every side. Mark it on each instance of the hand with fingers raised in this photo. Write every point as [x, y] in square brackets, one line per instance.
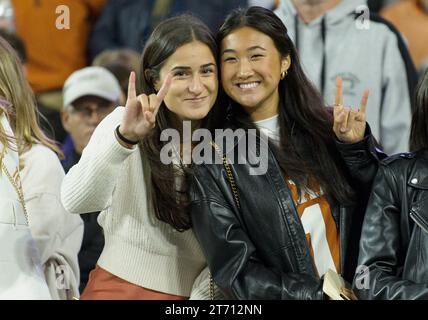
[140, 112]
[349, 124]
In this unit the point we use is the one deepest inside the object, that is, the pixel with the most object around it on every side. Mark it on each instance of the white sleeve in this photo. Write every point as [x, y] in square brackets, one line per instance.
[89, 185]
[58, 234]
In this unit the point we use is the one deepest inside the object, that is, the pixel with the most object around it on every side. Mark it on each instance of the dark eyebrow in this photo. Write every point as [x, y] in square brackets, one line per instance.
[208, 65]
[256, 47]
[249, 49]
[181, 68]
[228, 51]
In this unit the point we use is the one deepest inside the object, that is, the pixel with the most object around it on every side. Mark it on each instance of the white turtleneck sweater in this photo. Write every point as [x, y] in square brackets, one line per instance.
[270, 127]
[138, 247]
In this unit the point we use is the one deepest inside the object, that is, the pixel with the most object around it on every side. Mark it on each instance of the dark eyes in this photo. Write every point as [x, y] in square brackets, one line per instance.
[252, 57]
[207, 70]
[180, 73]
[184, 74]
[229, 59]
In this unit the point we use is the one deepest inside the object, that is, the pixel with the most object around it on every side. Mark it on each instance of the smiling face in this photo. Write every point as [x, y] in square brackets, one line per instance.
[251, 68]
[194, 84]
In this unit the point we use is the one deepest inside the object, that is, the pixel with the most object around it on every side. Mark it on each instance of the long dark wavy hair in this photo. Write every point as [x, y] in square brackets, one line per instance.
[419, 131]
[170, 202]
[307, 142]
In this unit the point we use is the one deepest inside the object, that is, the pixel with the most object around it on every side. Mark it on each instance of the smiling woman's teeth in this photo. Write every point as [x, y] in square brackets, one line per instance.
[248, 85]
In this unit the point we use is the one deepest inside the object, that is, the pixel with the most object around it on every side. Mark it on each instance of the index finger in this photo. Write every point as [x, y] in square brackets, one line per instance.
[165, 87]
[339, 96]
[364, 101]
[131, 86]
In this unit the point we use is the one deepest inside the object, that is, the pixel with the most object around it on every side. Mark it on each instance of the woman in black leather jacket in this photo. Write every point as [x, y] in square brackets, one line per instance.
[394, 241]
[273, 233]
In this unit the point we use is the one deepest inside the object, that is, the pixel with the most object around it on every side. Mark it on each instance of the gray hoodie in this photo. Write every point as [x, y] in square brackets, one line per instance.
[339, 44]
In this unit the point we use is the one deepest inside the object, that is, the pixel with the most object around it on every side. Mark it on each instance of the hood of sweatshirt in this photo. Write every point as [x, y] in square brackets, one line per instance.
[331, 17]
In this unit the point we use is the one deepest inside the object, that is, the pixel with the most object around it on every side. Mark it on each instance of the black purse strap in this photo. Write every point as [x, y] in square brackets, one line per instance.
[233, 187]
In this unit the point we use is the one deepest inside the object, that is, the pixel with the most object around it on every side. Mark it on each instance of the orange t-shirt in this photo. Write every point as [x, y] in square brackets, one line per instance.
[54, 53]
[321, 231]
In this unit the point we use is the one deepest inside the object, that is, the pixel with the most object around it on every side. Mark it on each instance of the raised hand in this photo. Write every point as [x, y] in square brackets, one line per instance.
[140, 111]
[349, 124]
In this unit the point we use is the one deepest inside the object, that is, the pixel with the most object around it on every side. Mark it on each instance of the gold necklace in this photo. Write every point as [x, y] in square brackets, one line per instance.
[18, 188]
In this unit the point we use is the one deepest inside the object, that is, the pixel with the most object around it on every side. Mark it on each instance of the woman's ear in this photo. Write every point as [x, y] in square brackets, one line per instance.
[149, 76]
[285, 64]
[156, 85]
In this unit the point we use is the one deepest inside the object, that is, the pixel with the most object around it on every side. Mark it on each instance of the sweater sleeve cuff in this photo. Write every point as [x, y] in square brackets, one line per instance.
[113, 151]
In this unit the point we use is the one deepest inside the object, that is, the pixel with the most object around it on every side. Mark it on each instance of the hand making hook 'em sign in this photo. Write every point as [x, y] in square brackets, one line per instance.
[140, 111]
[349, 124]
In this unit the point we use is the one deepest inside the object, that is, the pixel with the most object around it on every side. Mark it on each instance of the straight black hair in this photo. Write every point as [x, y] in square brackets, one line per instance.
[419, 128]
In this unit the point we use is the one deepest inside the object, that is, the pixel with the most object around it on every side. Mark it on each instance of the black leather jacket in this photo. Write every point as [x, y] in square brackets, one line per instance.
[261, 251]
[394, 240]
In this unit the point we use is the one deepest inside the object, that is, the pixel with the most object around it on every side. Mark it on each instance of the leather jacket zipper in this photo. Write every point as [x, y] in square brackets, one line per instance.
[419, 221]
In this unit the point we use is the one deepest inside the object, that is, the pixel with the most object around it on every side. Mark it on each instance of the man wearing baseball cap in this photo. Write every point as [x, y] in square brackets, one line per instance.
[89, 95]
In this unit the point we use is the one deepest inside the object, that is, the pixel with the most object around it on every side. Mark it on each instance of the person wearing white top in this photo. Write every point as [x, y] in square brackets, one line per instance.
[56, 236]
[21, 275]
[150, 251]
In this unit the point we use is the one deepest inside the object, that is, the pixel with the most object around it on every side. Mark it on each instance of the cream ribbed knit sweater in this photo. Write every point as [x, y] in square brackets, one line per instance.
[138, 247]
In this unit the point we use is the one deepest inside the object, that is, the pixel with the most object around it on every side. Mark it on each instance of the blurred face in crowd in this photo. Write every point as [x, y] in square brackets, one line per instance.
[251, 68]
[194, 84]
[313, 2]
[82, 117]
[309, 10]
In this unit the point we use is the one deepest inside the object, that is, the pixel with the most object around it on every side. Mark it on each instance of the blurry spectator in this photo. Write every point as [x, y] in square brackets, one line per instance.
[120, 62]
[411, 19]
[55, 47]
[50, 120]
[128, 23]
[268, 4]
[58, 234]
[333, 41]
[7, 16]
[377, 5]
[90, 94]
[423, 69]
[17, 44]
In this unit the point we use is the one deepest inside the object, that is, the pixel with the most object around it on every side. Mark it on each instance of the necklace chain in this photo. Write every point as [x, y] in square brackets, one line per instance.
[18, 188]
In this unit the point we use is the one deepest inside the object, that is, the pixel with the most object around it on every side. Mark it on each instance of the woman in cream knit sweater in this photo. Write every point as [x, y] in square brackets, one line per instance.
[150, 251]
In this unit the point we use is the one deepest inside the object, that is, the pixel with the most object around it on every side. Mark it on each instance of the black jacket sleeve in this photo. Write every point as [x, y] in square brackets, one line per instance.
[380, 246]
[231, 254]
[362, 158]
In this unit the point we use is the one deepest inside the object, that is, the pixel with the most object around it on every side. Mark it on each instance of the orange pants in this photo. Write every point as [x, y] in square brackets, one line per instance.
[103, 285]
